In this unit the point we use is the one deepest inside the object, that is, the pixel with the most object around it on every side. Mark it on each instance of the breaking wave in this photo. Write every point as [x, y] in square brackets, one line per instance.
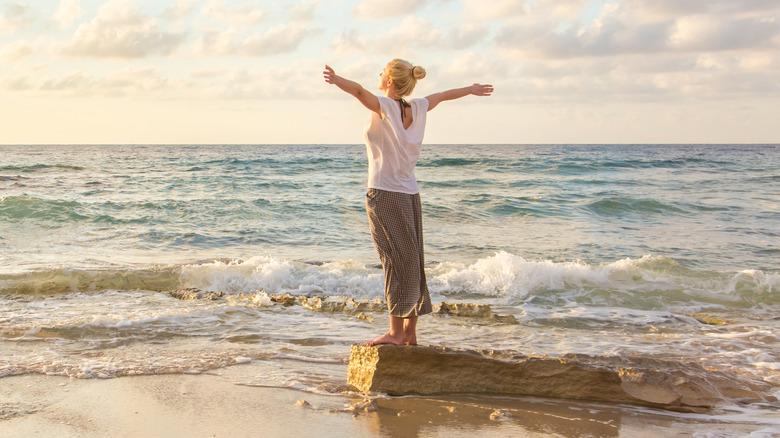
[649, 282]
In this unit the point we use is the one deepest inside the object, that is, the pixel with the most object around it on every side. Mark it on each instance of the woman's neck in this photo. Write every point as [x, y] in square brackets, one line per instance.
[392, 94]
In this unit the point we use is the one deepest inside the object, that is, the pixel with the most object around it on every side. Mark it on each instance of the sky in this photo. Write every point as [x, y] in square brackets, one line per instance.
[250, 71]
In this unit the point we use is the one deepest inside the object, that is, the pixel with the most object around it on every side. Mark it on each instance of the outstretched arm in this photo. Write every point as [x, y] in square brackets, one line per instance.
[457, 93]
[369, 100]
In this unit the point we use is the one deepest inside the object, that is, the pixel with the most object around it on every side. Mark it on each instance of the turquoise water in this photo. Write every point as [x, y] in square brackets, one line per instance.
[709, 207]
[595, 249]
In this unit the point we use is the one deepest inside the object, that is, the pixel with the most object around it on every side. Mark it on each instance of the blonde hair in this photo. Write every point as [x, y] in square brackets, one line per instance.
[404, 76]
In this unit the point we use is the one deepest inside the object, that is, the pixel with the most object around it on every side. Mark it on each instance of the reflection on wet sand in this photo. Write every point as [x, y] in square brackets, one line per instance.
[497, 416]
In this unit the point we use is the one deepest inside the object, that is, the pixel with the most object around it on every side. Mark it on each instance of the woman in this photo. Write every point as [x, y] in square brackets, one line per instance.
[393, 138]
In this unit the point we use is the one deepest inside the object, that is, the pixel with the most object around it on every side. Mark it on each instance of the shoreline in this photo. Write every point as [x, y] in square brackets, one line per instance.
[213, 405]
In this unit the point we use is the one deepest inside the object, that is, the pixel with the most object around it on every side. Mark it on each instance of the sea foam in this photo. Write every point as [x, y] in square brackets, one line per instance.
[648, 282]
[276, 275]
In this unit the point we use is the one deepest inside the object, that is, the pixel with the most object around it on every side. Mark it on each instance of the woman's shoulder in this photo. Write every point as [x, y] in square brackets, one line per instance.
[420, 102]
[385, 103]
[384, 100]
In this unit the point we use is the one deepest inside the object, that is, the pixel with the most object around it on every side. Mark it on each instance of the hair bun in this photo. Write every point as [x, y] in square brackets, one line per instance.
[418, 72]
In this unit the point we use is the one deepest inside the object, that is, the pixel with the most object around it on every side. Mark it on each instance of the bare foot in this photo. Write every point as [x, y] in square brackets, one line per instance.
[412, 340]
[386, 339]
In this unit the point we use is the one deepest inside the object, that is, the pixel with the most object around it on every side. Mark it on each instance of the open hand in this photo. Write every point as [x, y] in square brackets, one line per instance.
[329, 75]
[481, 90]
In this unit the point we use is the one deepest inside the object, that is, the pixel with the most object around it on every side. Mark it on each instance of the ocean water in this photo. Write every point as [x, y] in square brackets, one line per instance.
[594, 249]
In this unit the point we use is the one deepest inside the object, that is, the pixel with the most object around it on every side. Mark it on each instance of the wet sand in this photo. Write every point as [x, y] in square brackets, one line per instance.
[160, 406]
[212, 405]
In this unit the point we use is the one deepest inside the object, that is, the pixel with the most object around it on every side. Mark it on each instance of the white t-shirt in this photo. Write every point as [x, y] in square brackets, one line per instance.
[392, 150]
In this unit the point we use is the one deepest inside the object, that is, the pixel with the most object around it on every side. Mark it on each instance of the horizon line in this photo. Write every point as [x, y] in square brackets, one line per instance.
[425, 144]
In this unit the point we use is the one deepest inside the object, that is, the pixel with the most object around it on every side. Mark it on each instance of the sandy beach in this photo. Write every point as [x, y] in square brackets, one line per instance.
[212, 405]
[162, 406]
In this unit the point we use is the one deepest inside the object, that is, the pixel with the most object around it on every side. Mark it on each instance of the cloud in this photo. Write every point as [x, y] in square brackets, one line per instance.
[67, 13]
[284, 38]
[134, 81]
[760, 62]
[676, 8]
[180, 10]
[476, 65]
[482, 10]
[466, 35]
[78, 82]
[625, 29]
[15, 83]
[470, 67]
[17, 50]
[120, 31]
[717, 33]
[6, 25]
[15, 9]
[236, 35]
[379, 9]
[13, 17]
[215, 43]
[603, 37]
[571, 9]
[291, 82]
[240, 14]
[207, 73]
[349, 41]
[411, 33]
[679, 78]
[682, 52]
[304, 11]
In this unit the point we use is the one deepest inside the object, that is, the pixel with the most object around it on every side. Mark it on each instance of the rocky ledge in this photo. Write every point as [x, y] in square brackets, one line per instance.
[419, 370]
[482, 313]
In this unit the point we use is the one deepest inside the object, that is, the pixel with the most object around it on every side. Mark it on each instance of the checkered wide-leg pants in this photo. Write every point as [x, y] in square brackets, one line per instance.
[396, 228]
